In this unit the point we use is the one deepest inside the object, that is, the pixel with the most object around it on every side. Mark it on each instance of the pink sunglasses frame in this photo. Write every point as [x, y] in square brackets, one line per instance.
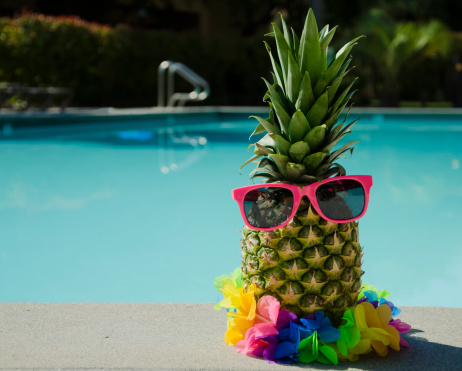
[238, 195]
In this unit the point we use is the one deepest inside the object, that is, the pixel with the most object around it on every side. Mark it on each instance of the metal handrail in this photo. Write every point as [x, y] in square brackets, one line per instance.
[201, 86]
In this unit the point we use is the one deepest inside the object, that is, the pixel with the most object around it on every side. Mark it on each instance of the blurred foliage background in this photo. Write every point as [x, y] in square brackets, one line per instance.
[108, 51]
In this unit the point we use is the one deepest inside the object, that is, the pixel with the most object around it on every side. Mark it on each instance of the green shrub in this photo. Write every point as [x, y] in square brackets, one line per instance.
[106, 66]
[118, 67]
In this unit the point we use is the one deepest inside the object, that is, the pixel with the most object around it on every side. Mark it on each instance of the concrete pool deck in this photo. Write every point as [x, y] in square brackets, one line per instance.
[180, 336]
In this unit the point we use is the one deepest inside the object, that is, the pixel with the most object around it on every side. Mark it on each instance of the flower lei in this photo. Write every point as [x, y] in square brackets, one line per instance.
[263, 330]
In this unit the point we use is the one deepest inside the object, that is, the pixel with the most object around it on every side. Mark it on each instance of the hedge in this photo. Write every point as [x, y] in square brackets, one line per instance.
[118, 67]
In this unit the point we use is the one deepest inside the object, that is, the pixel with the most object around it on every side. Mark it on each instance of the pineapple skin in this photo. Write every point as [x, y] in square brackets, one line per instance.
[310, 264]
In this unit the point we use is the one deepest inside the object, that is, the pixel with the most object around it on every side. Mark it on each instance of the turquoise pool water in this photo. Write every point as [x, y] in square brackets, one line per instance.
[140, 213]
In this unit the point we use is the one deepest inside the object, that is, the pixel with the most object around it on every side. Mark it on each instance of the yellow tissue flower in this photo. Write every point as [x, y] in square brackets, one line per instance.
[376, 333]
[242, 308]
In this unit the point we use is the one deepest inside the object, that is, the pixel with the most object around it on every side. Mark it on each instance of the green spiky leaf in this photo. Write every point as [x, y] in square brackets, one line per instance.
[310, 50]
[275, 92]
[308, 179]
[298, 127]
[337, 154]
[262, 150]
[328, 170]
[250, 160]
[321, 170]
[265, 164]
[283, 49]
[331, 121]
[337, 81]
[298, 151]
[269, 177]
[286, 33]
[281, 163]
[294, 76]
[267, 142]
[345, 130]
[282, 145]
[323, 32]
[338, 137]
[295, 43]
[318, 112]
[346, 100]
[271, 114]
[343, 69]
[347, 46]
[326, 38]
[294, 171]
[334, 142]
[305, 98]
[325, 41]
[266, 174]
[312, 161]
[334, 67]
[315, 137]
[267, 126]
[341, 150]
[282, 115]
[340, 99]
[333, 133]
[276, 68]
[258, 130]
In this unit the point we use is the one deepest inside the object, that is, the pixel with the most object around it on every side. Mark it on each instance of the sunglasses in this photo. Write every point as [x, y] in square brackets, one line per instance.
[269, 206]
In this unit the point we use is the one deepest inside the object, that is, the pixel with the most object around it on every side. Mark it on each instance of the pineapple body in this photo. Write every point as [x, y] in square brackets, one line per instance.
[310, 264]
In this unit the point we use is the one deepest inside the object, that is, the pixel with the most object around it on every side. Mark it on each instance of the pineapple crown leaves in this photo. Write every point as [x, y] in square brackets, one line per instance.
[305, 100]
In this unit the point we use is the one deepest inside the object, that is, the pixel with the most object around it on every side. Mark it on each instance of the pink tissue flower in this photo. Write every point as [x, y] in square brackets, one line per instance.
[403, 328]
[265, 325]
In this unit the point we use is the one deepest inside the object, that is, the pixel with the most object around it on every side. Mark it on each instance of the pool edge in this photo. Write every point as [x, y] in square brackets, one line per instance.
[182, 336]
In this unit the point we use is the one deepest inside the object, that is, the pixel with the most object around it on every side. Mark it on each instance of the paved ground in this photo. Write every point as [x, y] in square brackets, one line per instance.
[123, 336]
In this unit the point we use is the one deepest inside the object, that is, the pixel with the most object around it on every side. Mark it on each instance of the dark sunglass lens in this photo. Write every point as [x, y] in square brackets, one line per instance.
[341, 199]
[268, 207]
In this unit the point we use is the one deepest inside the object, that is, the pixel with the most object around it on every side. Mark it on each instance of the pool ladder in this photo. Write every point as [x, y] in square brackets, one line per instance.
[201, 86]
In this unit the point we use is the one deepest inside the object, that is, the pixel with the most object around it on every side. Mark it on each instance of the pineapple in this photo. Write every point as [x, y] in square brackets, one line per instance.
[310, 264]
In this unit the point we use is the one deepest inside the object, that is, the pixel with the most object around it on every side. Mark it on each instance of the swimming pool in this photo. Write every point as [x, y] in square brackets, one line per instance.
[142, 212]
